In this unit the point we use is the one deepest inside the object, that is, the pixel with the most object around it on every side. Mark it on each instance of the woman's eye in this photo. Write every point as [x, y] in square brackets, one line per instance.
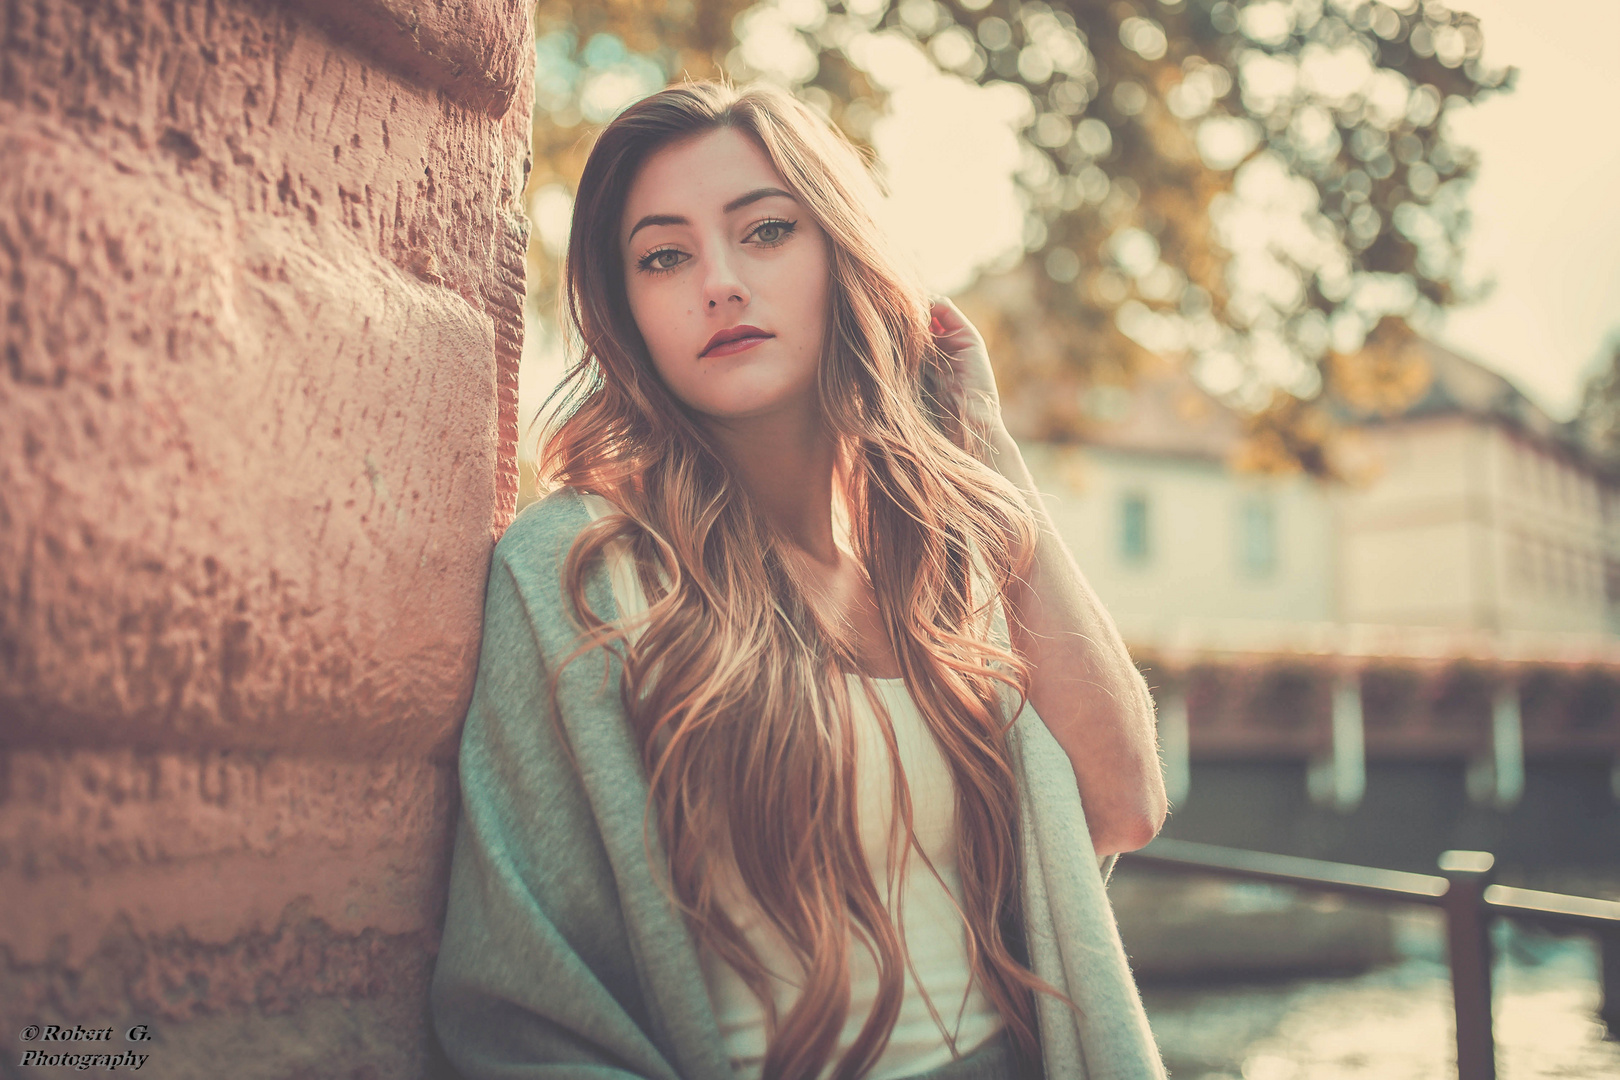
[773, 232]
[667, 259]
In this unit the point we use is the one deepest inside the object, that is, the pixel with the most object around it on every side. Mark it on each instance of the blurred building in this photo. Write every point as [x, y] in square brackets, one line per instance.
[1445, 609]
[1171, 535]
[1485, 513]
[1472, 510]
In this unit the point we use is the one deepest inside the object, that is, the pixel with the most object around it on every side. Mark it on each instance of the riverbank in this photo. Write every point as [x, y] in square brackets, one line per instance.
[1394, 1021]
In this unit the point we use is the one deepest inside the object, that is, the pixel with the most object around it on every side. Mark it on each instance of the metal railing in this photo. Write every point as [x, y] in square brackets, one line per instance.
[1463, 890]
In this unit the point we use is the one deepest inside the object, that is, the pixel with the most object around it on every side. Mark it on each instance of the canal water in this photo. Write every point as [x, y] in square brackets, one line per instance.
[1394, 1022]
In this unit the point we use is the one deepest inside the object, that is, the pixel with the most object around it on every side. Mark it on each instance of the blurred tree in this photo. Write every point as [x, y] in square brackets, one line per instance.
[1598, 422]
[1251, 187]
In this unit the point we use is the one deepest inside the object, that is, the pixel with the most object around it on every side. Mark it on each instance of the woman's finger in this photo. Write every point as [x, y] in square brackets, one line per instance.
[946, 319]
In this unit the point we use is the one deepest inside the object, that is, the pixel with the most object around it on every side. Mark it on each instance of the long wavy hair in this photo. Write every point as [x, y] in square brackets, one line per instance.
[738, 694]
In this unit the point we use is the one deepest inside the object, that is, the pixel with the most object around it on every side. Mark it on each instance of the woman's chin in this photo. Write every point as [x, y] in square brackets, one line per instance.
[755, 404]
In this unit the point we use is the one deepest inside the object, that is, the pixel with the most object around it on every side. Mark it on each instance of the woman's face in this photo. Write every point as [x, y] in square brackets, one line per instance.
[727, 278]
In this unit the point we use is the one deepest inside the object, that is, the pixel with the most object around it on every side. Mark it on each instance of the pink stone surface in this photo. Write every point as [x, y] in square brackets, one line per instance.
[475, 50]
[218, 841]
[263, 285]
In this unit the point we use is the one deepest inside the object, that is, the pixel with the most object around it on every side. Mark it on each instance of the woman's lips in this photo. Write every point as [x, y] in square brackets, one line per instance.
[736, 345]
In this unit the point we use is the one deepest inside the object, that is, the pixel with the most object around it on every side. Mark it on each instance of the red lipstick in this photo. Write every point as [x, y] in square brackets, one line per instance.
[734, 340]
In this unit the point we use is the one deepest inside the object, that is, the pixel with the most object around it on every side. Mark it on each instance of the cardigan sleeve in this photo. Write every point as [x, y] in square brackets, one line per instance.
[535, 979]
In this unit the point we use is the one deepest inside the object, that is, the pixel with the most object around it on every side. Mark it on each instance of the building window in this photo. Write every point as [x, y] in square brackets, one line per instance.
[1134, 539]
[1257, 537]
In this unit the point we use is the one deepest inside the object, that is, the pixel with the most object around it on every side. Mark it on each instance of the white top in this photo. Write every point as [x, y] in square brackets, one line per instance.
[935, 933]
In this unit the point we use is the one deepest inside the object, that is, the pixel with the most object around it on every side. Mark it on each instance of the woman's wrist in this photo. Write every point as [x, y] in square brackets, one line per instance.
[1005, 455]
[981, 432]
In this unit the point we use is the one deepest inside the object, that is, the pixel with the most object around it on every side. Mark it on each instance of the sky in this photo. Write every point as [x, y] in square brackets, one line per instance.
[1546, 204]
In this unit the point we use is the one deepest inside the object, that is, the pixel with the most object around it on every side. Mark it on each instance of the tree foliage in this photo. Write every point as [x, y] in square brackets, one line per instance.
[1248, 187]
[1597, 423]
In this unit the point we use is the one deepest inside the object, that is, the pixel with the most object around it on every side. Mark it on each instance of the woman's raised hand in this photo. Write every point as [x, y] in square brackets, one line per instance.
[969, 382]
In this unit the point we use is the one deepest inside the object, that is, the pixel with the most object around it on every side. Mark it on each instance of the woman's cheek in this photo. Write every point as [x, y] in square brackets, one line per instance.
[668, 331]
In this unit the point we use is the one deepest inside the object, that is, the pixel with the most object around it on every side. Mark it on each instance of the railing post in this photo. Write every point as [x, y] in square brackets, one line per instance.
[1609, 959]
[1469, 946]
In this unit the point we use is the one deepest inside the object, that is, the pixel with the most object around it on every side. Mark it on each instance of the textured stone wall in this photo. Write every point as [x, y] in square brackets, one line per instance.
[262, 273]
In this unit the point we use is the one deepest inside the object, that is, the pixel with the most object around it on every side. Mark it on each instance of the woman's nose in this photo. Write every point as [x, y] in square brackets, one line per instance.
[724, 284]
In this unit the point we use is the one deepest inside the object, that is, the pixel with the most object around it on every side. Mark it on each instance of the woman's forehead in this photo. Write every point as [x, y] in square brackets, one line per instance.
[701, 174]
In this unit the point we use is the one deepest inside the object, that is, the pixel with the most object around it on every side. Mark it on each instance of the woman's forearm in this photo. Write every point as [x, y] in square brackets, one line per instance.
[1084, 685]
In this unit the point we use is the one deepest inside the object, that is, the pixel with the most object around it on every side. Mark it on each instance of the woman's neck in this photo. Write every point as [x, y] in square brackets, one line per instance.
[788, 465]
[791, 472]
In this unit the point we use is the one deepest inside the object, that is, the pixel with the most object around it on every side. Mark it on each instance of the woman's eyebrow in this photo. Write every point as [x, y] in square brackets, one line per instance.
[735, 204]
[754, 196]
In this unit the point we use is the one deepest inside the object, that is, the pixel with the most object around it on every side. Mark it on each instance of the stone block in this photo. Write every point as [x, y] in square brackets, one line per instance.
[263, 282]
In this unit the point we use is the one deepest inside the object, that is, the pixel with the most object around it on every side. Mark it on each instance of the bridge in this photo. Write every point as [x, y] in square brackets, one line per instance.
[1386, 746]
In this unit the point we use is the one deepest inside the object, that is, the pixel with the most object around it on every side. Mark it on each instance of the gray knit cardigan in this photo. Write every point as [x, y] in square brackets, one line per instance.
[562, 956]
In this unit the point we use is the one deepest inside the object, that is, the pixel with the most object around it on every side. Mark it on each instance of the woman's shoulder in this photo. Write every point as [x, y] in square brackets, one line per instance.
[537, 542]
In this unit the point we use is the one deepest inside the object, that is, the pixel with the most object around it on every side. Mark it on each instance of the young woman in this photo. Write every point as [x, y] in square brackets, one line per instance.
[789, 696]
